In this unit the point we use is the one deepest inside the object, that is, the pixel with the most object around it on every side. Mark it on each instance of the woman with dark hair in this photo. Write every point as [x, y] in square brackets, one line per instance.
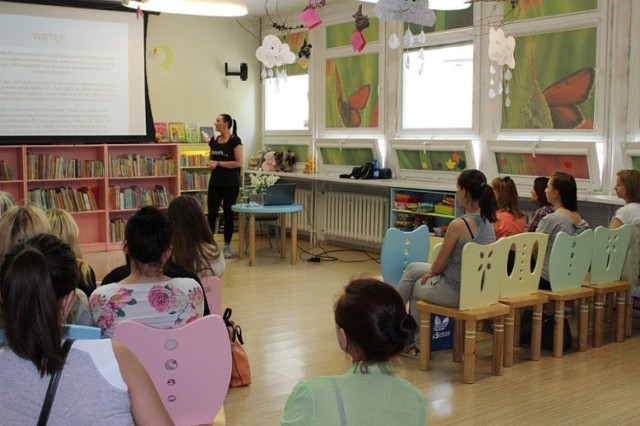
[439, 282]
[105, 376]
[372, 326]
[538, 196]
[562, 193]
[510, 217]
[193, 245]
[224, 183]
[147, 295]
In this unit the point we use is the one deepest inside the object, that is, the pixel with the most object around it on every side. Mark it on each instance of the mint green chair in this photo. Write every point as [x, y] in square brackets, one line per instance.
[399, 249]
[609, 253]
[520, 290]
[568, 266]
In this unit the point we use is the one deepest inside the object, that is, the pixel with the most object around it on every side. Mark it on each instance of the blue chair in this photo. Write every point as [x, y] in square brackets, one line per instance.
[399, 249]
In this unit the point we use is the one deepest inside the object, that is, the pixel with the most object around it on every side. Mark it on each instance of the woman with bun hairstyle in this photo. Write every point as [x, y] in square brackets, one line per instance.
[439, 282]
[372, 326]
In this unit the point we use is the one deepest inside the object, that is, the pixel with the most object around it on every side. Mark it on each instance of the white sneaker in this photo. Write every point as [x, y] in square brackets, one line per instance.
[227, 252]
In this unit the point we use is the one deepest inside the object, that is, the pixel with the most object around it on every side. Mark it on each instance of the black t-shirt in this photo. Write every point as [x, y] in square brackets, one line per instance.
[222, 176]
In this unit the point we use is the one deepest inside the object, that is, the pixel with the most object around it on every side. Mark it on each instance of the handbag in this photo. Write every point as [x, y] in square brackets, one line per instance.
[363, 172]
[240, 368]
[53, 386]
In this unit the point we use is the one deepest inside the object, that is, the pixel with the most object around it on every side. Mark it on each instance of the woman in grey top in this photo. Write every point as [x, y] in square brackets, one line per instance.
[439, 282]
[562, 193]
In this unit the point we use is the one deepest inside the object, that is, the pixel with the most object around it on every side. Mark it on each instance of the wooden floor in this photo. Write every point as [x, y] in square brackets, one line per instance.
[286, 316]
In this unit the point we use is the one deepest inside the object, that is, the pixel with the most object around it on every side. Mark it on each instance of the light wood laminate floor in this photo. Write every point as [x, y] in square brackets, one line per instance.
[286, 316]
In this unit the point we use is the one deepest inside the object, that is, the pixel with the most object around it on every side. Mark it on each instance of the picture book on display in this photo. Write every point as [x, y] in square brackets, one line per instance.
[162, 132]
[192, 133]
[177, 132]
[206, 133]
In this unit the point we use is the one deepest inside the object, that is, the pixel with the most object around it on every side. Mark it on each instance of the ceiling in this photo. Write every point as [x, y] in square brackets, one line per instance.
[257, 7]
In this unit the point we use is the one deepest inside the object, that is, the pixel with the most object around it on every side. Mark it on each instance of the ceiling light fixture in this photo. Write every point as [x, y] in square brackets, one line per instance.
[441, 4]
[190, 7]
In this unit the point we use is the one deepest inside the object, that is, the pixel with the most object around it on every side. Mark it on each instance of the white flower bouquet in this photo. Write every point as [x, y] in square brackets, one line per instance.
[261, 182]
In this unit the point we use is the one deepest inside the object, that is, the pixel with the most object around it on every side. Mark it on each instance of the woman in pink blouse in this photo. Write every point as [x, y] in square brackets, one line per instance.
[510, 217]
[147, 295]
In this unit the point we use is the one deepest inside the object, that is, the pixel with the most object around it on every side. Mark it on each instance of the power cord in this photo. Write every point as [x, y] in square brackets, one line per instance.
[327, 255]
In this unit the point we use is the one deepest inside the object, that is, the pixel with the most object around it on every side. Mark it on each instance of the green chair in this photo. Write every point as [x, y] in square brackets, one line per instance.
[609, 253]
[568, 266]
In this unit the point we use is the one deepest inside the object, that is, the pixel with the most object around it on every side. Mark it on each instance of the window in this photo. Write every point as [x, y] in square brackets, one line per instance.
[438, 87]
[286, 103]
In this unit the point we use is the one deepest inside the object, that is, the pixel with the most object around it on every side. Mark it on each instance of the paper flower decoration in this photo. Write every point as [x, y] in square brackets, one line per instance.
[413, 11]
[273, 52]
[501, 54]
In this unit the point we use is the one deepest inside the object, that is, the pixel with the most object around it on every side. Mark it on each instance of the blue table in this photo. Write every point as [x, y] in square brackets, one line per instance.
[252, 211]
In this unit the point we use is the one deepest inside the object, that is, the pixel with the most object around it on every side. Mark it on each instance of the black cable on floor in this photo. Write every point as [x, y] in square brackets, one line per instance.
[326, 255]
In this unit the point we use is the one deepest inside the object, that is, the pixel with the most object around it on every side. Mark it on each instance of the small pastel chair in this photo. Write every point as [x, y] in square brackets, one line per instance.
[399, 249]
[609, 253]
[568, 265]
[520, 290]
[213, 290]
[190, 366]
[480, 288]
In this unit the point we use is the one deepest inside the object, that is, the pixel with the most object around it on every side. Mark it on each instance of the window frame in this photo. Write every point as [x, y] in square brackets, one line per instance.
[291, 141]
[331, 169]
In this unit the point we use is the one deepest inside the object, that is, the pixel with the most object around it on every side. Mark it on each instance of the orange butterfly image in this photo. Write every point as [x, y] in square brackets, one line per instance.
[350, 108]
[563, 97]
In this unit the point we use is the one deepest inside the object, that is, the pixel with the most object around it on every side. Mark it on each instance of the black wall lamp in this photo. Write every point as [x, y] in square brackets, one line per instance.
[243, 73]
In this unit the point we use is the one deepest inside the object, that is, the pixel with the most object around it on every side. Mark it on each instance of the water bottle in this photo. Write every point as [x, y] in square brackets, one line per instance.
[376, 170]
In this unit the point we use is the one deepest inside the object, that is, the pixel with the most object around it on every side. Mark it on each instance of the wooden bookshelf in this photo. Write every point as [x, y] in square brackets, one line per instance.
[81, 178]
[194, 173]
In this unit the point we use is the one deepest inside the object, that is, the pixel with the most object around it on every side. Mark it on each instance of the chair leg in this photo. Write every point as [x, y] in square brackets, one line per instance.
[536, 333]
[621, 300]
[628, 323]
[558, 332]
[458, 340]
[469, 366]
[598, 320]
[609, 303]
[583, 325]
[425, 340]
[498, 346]
[508, 337]
[516, 328]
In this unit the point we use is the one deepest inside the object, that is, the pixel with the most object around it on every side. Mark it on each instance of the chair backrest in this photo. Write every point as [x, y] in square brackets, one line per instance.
[480, 280]
[570, 260]
[190, 366]
[523, 280]
[434, 253]
[213, 289]
[399, 249]
[609, 252]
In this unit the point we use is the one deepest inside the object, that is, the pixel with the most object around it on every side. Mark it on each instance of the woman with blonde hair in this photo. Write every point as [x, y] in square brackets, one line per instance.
[64, 226]
[6, 202]
[193, 245]
[19, 223]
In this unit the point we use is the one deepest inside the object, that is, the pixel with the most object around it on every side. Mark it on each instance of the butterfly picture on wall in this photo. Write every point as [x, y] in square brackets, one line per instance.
[564, 96]
[350, 108]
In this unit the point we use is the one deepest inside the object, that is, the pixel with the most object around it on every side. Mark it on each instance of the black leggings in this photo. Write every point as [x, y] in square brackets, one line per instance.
[227, 195]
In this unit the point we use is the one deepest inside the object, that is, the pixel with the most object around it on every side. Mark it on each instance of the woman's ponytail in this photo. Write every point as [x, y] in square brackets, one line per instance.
[488, 204]
[475, 183]
[235, 127]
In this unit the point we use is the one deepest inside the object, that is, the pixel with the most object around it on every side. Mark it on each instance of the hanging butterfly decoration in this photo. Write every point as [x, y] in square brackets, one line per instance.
[350, 108]
[564, 96]
[362, 23]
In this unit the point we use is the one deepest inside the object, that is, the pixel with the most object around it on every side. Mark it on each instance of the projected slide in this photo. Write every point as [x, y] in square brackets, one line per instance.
[67, 71]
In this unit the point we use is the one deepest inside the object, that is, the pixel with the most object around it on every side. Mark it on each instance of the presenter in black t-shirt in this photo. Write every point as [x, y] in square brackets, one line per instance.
[224, 184]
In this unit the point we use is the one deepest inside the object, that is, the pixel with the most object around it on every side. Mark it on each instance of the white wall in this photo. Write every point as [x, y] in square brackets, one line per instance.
[193, 87]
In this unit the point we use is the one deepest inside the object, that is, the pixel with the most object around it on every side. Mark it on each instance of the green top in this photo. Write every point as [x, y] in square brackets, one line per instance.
[368, 399]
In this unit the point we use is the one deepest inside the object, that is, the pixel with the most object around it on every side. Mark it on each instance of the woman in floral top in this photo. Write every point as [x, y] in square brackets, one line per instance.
[147, 295]
[538, 196]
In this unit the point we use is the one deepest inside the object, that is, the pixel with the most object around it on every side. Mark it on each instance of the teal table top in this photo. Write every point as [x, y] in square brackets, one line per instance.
[249, 209]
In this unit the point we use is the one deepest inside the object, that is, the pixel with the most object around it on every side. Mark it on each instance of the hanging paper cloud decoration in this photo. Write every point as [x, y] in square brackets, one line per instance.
[501, 48]
[412, 11]
[274, 53]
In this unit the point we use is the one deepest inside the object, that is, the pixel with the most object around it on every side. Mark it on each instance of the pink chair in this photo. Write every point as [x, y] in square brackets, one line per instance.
[190, 365]
[213, 289]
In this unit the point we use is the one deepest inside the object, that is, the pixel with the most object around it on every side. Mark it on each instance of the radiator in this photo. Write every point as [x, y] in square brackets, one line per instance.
[355, 217]
[304, 197]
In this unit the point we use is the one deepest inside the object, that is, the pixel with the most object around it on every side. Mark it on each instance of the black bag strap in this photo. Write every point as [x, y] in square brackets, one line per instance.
[53, 386]
[227, 317]
[238, 334]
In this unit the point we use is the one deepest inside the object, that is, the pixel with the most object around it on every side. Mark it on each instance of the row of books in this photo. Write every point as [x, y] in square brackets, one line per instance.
[6, 172]
[194, 181]
[116, 229]
[71, 199]
[135, 165]
[202, 198]
[135, 197]
[194, 160]
[47, 166]
[188, 132]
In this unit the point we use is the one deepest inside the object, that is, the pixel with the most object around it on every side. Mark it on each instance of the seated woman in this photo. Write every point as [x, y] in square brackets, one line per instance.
[147, 295]
[6, 202]
[440, 282]
[510, 217]
[538, 196]
[19, 223]
[562, 193]
[192, 241]
[105, 376]
[628, 188]
[372, 326]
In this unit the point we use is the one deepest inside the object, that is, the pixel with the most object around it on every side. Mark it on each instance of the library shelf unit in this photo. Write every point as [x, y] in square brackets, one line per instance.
[194, 173]
[82, 180]
[411, 208]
